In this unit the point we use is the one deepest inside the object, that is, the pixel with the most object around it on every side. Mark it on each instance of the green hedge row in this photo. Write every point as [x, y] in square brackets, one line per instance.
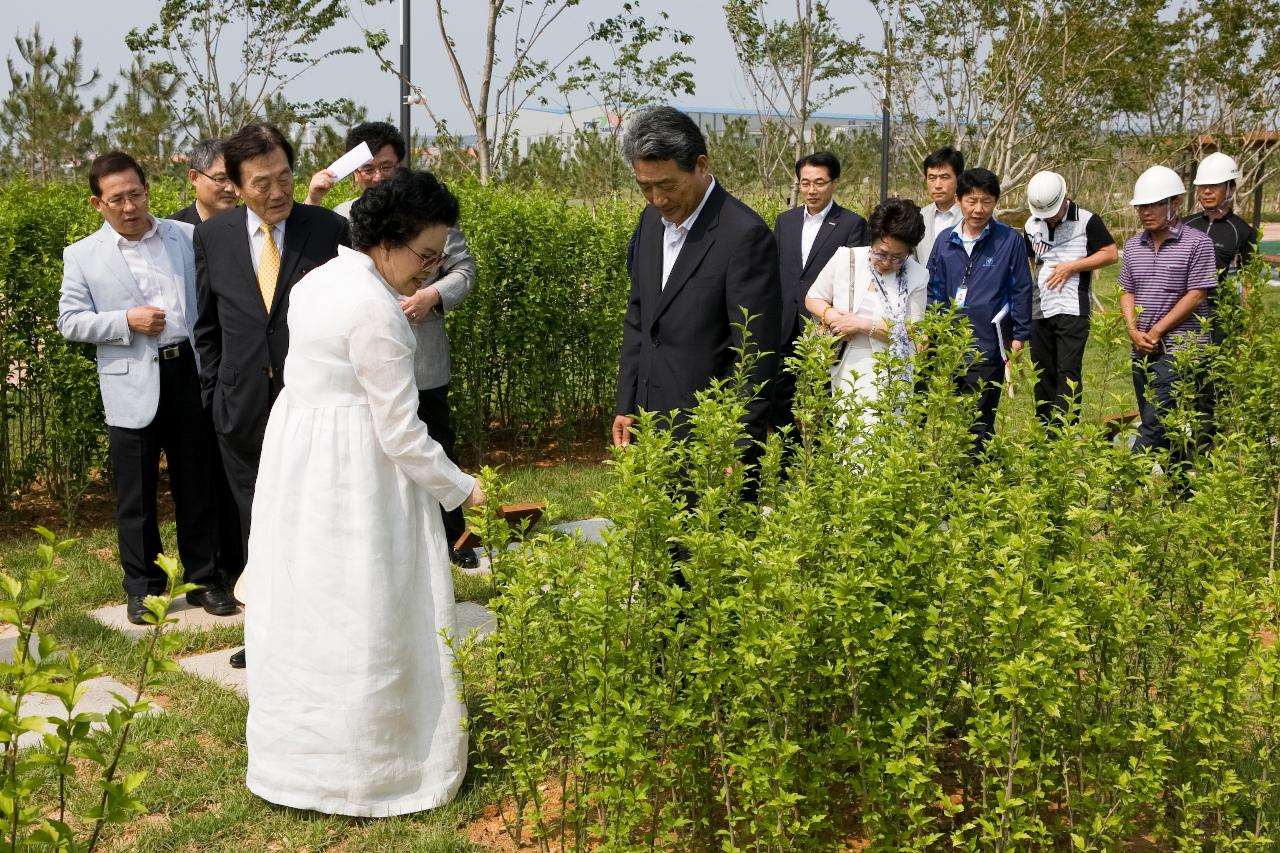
[534, 349]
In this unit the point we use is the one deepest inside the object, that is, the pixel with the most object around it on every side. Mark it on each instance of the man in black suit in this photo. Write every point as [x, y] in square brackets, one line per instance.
[807, 238]
[698, 257]
[246, 261]
[216, 194]
[208, 176]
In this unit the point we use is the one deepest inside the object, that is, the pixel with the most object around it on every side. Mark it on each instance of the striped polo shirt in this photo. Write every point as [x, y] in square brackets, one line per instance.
[1158, 280]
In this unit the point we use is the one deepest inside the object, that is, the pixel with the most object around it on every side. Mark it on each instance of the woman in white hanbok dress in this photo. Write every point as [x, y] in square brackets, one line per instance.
[869, 296]
[354, 707]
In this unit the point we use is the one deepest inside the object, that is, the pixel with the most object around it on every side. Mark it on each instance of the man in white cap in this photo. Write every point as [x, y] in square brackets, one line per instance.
[1234, 240]
[1166, 277]
[1066, 244]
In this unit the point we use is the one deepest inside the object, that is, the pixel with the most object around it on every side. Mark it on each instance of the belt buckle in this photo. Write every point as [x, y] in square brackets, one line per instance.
[170, 352]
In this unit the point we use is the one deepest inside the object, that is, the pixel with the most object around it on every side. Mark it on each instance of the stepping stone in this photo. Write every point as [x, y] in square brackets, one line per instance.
[216, 667]
[9, 644]
[189, 618]
[97, 698]
[469, 616]
[590, 529]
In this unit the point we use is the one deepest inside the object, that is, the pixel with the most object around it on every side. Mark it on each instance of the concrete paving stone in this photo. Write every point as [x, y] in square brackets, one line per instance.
[189, 618]
[590, 529]
[97, 698]
[216, 667]
[469, 616]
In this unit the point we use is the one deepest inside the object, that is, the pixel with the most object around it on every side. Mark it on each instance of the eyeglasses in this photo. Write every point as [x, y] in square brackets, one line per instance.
[430, 261]
[820, 184]
[137, 197]
[220, 180]
[886, 258]
[368, 170]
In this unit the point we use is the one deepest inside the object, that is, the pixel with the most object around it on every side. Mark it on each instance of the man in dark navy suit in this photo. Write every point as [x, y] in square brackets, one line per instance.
[807, 238]
[697, 259]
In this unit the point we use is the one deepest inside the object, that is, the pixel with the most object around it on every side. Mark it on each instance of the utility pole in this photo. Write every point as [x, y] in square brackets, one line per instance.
[404, 83]
[884, 110]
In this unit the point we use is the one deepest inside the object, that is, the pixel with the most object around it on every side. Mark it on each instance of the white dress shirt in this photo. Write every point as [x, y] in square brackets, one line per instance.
[254, 223]
[674, 237]
[809, 230]
[944, 219]
[160, 283]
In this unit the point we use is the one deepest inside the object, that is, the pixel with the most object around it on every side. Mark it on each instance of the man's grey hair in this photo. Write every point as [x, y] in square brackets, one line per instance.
[664, 133]
[204, 153]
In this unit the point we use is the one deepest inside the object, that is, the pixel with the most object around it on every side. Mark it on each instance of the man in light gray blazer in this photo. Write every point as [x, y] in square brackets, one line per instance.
[942, 170]
[425, 310]
[129, 288]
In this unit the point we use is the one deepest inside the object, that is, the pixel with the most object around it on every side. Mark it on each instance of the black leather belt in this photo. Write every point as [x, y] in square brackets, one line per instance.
[175, 350]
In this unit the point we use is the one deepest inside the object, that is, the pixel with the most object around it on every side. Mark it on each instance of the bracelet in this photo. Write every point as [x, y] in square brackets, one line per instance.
[873, 329]
[823, 318]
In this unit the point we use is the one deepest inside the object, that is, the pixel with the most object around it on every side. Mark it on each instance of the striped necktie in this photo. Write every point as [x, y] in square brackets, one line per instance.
[268, 267]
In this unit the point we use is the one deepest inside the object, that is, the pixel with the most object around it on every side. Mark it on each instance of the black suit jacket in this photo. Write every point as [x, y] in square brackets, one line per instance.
[677, 339]
[841, 227]
[190, 215]
[242, 346]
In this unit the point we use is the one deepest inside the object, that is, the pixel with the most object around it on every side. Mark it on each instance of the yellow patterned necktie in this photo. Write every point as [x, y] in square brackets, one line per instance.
[268, 267]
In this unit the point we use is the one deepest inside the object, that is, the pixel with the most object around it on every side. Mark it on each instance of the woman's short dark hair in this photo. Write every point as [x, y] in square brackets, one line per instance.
[945, 156]
[823, 160]
[253, 140]
[109, 164]
[898, 218]
[395, 211]
[978, 179]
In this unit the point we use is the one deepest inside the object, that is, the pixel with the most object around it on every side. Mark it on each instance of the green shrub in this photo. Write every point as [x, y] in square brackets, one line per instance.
[1051, 647]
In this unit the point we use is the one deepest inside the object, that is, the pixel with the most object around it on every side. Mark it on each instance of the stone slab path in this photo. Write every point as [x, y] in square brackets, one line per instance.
[189, 618]
[97, 699]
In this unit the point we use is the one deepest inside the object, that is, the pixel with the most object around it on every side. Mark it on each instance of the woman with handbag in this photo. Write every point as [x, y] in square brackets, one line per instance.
[868, 296]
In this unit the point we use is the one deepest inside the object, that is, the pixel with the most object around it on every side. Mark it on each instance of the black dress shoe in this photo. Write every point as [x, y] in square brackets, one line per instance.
[215, 601]
[237, 660]
[465, 559]
[136, 609]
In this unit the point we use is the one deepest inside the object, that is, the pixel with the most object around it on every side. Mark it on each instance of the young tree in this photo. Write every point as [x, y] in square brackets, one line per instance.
[279, 46]
[493, 108]
[628, 78]
[1019, 85]
[145, 123]
[795, 65]
[47, 128]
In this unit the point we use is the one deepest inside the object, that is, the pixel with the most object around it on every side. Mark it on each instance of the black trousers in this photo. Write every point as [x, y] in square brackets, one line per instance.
[433, 410]
[1155, 382]
[984, 380]
[1057, 351]
[230, 543]
[784, 384]
[240, 464]
[183, 432]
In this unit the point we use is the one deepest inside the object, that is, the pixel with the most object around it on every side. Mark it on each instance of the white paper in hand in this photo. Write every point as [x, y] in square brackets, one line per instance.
[349, 162]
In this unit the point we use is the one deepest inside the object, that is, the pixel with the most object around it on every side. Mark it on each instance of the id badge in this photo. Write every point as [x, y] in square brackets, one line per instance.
[961, 294]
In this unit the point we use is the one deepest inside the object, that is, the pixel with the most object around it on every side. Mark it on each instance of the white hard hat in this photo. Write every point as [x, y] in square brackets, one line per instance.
[1217, 168]
[1045, 194]
[1157, 184]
